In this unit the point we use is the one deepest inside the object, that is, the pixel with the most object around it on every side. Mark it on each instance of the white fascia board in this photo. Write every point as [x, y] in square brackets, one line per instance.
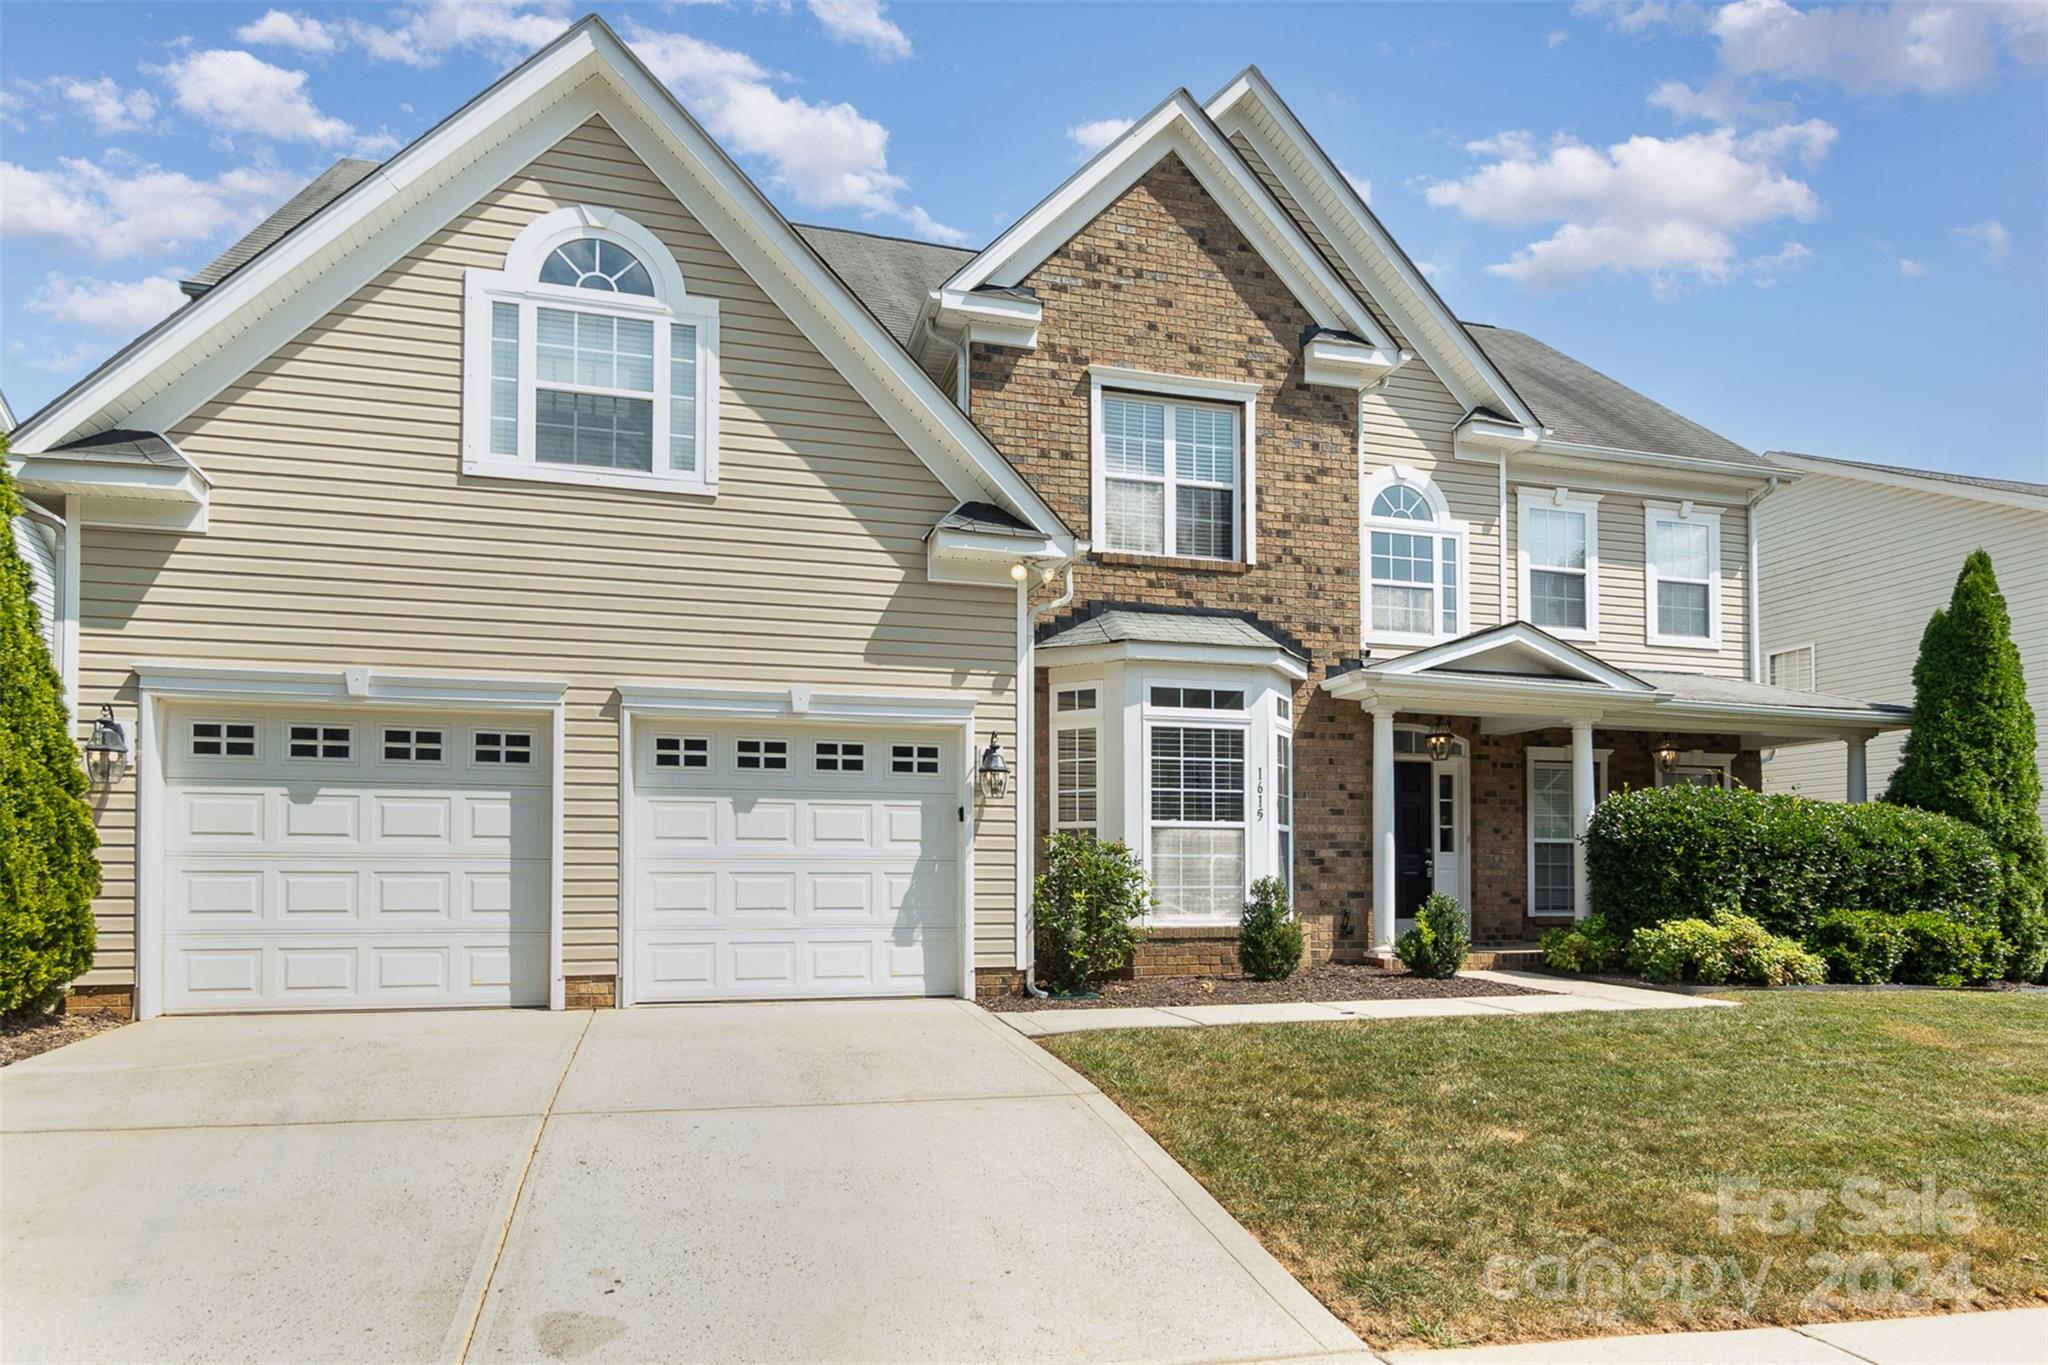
[1797, 465]
[1147, 651]
[980, 559]
[990, 319]
[797, 702]
[1479, 437]
[1178, 125]
[1479, 694]
[1225, 108]
[247, 682]
[1820, 722]
[1516, 635]
[1675, 466]
[1344, 364]
[154, 482]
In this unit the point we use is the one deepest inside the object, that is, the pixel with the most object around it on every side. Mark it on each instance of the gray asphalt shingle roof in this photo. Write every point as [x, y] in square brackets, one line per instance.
[1940, 476]
[891, 275]
[323, 190]
[1119, 625]
[124, 447]
[1719, 691]
[988, 519]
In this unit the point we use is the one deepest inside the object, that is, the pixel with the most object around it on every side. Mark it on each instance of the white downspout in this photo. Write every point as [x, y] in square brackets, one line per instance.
[1027, 763]
[1502, 539]
[1756, 596]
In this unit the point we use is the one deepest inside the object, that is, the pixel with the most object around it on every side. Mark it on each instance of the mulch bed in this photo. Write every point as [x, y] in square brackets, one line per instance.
[1328, 982]
[25, 1035]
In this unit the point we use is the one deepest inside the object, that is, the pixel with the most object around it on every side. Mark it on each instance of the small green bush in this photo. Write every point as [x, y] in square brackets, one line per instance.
[1436, 946]
[1730, 947]
[1940, 952]
[1663, 853]
[1269, 941]
[1085, 907]
[1594, 944]
[1864, 947]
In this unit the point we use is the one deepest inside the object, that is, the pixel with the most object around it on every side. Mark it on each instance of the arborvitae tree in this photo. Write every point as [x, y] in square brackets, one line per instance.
[1971, 751]
[48, 871]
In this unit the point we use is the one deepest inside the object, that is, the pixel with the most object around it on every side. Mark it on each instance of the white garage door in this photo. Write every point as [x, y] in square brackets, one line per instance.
[776, 861]
[335, 860]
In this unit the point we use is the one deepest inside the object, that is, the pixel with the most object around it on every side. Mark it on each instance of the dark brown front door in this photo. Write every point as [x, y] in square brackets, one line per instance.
[1414, 870]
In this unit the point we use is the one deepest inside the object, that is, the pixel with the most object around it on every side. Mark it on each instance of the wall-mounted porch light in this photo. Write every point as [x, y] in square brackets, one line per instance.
[1440, 741]
[992, 774]
[106, 753]
[1667, 755]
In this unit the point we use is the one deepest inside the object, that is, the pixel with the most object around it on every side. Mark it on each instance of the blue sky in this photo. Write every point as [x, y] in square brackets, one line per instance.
[1810, 228]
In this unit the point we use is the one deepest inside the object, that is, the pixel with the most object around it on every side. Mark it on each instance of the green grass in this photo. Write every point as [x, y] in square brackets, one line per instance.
[1388, 1163]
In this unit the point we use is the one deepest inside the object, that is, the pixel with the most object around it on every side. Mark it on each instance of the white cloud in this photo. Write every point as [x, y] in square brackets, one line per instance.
[1765, 271]
[1558, 39]
[122, 307]
[424, 34]
[121, 210]
[11, 105]
[1630, 16]
[1091, 137]
[1719, 100]
[862, 22]
[240, 92]
[827, 156]
[1991, 235]
[1665, 208]
[1360, 184]
[108, 107]
[47, 353]
[1933, 49]
[1437, 271]
[281, 28]
[1910, 270]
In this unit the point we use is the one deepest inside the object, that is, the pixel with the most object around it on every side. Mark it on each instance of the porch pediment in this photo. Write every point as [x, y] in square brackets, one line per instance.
[1513, 656]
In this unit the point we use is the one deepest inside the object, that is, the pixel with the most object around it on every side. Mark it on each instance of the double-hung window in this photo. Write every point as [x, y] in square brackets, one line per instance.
[587, 361]
[1198, 824]
[1560, 562]
[1415, 560]
[1172, 465]
[1076, 761]
[1553, 851]
[1283, 807]
[1682, 567]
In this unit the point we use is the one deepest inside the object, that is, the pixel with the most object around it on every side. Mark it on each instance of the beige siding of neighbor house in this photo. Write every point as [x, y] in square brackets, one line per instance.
[343, 532]
[1856, 569]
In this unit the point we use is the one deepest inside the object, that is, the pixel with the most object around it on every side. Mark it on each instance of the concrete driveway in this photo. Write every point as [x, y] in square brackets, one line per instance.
[862, 1181]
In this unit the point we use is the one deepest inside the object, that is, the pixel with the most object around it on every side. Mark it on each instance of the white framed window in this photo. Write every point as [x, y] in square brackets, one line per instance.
[1172, 465]
[839, 756]
[1067, 700]
[1196, 798]
[1558, 555]
[334, 743]
[1283, 808]
[1076, 758]
[1415, 557]
[761, 755]
[402, 744]
[682, 751]
[502, 746]
[1682, 576]
[222, 739]
[1698, 769]
[1794, 668]
[585, 360]
[1553, 850]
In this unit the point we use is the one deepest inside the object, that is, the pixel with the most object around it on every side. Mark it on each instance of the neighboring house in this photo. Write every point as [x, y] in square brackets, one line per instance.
[533, 572]
[1848, 590]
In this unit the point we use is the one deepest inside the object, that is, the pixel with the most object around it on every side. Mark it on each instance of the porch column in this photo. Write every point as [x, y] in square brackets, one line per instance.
[1582, 811]
[1383, 829]
[1859, 769]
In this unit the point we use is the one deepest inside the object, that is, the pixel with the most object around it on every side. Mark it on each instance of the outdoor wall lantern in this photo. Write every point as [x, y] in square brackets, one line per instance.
[106, 753]
[992, 774]
[1667, 755]
[1440, 741]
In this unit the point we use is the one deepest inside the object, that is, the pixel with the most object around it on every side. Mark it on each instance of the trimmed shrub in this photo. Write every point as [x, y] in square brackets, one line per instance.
[48, 874]
[1971, 751]
[1269, 942]
[1436, 946]
[1860, 946]
[1728, 947]
[1941, 952]
[1594, 944]
[1664, 853]
[1085, 908]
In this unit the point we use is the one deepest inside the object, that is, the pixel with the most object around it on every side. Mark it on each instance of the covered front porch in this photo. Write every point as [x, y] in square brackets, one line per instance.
[1489, 753]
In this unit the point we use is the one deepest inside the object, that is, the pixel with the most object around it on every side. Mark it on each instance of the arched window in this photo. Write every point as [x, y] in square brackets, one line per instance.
[1415, 561]
[588, 361]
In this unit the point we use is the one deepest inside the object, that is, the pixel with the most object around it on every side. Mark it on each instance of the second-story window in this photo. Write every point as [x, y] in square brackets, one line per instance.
[1170, 477]
[588, 361]
[1560, 562]
[1415, 561]
[1682, 567]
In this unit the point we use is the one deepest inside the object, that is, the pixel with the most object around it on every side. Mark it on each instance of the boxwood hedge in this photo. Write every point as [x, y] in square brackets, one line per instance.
[1658, 854]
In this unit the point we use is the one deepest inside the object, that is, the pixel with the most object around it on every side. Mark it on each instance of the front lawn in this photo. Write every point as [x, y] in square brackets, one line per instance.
[1450, 1181]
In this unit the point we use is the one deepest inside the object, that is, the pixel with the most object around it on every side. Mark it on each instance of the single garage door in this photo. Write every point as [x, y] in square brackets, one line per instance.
[785, 860]
[354, 859]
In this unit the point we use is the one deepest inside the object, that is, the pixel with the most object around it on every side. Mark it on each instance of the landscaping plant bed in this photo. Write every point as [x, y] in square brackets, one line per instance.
[1328, 982]
[26, 1035]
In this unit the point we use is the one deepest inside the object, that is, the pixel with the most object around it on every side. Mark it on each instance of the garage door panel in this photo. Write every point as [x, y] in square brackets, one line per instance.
[321, 818]
[841, 824]
[677, 824]
[340, 972]
[768, 965]
[754, 894]
[304, 893]
[222, 816]
[764, 825]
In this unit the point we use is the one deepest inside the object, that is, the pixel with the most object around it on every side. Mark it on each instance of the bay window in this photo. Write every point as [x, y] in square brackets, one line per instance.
[586, 360]
[1415, 557]
[1683, 576]
[1076, 761]
[1198, 824]
[1560, 562]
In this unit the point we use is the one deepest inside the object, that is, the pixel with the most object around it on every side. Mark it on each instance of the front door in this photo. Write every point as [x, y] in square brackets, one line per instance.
[1414, 867]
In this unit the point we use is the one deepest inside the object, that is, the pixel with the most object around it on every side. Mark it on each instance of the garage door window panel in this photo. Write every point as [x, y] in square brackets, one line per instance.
[682, 751]
[222, 739]
[914, 759]
[839, 756]
[333, 743]
[413, 746]
[500, 747]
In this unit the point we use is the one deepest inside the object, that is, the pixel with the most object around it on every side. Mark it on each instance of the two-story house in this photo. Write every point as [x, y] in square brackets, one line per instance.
[532, 571]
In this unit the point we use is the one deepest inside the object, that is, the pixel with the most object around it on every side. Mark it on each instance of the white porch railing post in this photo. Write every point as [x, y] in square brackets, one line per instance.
[1383, 830]
[1582, 812]
[1859, 770]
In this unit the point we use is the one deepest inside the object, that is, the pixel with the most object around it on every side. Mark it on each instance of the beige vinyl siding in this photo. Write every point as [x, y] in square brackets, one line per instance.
[1856, 569]
[342, 532]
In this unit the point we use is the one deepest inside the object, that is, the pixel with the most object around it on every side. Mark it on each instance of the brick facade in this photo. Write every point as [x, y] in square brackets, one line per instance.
[590, 992]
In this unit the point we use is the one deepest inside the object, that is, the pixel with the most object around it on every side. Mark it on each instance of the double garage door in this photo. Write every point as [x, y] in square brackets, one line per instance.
[349, 858]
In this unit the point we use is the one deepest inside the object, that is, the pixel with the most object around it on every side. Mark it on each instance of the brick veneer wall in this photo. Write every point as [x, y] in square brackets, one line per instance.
[1163, 281]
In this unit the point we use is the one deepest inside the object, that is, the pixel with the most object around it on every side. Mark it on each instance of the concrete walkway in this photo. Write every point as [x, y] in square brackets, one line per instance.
[2015, 1337]
[1562, 995]
[902, 1180]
